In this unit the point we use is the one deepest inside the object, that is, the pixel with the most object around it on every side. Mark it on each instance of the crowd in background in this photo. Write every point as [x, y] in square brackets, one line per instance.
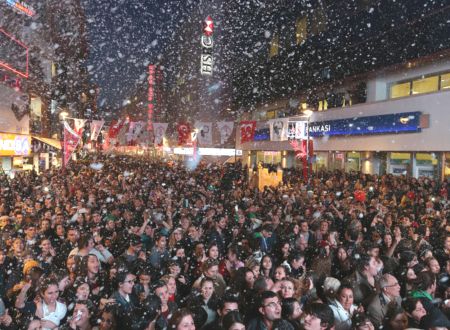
[115, 242]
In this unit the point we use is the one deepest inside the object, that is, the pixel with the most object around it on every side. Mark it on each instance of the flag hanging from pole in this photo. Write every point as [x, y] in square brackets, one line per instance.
[96, 127]
[159, 131]
[79, 125]
[279, 129]
[247, 130]
[204, 133]
[225, 130]
[184, 133]
[71, 140]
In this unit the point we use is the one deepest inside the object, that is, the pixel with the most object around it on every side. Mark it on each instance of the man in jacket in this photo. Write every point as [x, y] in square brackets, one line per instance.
[269, 311]
[390, 291]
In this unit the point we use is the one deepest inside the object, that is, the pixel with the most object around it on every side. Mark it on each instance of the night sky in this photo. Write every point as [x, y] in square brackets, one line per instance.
[125, 36]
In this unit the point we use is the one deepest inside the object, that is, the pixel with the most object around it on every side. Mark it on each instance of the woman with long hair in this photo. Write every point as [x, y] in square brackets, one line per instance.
[48, 309]
[291, 310]
[267, 266]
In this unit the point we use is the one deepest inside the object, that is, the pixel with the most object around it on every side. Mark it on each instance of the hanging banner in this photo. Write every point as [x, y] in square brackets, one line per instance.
[134, 130]
[115, 127]
[79, 125]
[96, 127]
[297, 130]
[71, 140]
[279, 129]
[247, 130]
[122, 135]
[204, 133]
[184, 133]
[159, 130]
[225, 130]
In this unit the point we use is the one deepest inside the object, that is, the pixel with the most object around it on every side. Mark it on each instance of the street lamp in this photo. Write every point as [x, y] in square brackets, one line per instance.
[307, 113]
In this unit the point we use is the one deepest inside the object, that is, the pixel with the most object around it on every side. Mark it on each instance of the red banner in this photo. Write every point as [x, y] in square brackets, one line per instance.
[71, 140]
[247, 131]
[115, 128]
[184, 133]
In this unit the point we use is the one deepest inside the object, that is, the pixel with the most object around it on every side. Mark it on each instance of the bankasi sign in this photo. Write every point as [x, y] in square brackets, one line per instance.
[206, 63]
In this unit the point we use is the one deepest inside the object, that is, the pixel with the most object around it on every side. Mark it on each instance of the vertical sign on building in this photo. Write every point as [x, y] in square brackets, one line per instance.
[151, 96]
[206, 63]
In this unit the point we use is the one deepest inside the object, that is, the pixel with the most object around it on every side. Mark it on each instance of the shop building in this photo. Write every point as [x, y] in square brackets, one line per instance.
[403, 128]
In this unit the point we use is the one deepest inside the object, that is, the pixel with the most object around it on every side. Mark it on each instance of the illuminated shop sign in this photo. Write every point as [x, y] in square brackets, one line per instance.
[22, 7]
[206, 63]
[406, 122]
[207, 151]
[14, 145]
[13, 54]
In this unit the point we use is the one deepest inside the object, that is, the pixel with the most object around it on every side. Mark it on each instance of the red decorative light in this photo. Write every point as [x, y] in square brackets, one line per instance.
[208, 26]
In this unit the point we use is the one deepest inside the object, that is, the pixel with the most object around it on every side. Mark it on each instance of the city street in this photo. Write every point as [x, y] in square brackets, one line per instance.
[224, 165]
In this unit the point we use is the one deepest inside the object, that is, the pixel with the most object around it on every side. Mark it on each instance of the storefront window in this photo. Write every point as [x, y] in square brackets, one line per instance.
[268, 157]
[426, 164]
[353, 161]
[425, 85]
[320, 161]
[445, 81]
[399, 163]
[447, 165]
[400, 90]
[337, 161]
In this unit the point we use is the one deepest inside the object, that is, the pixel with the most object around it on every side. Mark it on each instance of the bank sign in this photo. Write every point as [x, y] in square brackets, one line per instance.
[206, 62]
[406, 122]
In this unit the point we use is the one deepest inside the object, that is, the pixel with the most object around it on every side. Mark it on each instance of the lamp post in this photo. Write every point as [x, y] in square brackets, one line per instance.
[307, 114]
[63, 115]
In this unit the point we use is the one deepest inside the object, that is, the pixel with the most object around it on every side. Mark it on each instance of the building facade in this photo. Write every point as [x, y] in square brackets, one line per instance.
[361, 67]
[34, 88]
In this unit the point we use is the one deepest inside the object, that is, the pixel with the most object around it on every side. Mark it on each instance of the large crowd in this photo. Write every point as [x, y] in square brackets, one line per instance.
[115, 242]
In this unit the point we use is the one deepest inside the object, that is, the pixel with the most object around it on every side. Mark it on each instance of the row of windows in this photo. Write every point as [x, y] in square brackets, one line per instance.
[317, 24]
[420, 85]
[312, 25]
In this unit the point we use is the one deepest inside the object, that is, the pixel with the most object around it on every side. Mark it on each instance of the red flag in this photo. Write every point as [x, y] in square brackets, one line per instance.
[115, 128]
[184, 133]
[71, 140]
[247, 130]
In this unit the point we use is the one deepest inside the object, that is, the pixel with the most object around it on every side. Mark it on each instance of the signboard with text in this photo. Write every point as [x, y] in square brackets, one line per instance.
[405, 122]
[206, 60]
[15, 145]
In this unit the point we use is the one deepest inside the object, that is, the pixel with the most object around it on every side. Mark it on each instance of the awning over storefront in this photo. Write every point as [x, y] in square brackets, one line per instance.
[45, 144]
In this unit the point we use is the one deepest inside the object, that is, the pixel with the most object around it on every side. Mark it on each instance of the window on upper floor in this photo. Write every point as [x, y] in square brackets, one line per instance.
[301, 30]
[422, 85]
[445, 81]
[274, 46]
[318, 21]
[400, 90]
[425, 85]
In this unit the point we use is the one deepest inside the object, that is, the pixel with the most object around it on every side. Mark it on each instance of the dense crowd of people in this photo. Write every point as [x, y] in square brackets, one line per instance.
[115, 242]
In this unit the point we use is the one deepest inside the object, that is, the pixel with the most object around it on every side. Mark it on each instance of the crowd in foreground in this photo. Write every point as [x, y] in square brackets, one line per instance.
[114, 242]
